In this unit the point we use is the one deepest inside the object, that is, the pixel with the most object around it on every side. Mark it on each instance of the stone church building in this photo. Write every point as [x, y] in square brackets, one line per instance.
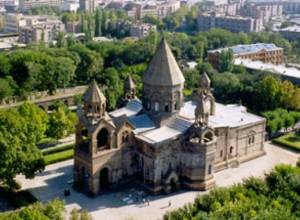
[161, 141]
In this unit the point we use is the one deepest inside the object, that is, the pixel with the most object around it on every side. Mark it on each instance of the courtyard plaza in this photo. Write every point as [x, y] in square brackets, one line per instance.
[133, 202]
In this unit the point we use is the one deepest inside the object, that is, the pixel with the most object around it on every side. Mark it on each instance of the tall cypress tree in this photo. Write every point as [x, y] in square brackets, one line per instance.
[98, 23]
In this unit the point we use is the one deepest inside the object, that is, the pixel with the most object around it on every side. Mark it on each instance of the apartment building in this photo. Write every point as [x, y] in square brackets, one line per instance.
[40, 29]
[141, 30]
[73, 27]
[87, 5]
[291, 7]
[207, 21]
[69, 6]
[266, 12]
[139, 10]
[266, 53]
[27, 4]
[13, 22]
[288, 6]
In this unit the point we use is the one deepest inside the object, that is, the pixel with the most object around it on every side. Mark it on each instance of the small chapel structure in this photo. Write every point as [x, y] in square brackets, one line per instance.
[161, 141]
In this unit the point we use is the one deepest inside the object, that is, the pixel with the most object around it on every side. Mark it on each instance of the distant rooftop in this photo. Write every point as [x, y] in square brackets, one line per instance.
[277, 69]
[294, 28]
[249, 48]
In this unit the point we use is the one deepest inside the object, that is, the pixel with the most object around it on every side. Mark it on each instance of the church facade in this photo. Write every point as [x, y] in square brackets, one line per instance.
[162, 141]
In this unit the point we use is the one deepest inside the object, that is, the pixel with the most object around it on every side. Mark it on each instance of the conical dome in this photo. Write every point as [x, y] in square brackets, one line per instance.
[93, 94]
[129, 84]
[163, 69]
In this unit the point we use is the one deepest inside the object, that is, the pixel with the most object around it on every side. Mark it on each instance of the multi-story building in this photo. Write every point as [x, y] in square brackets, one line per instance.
[40, 29]
[266, 53]
[291, 33]
[27, 4]
[139, 10]
[207, 21]
[69, 6]
[168, 7]
[88, 5]
[73, 27]
[160, 141]
[291, 7]
[288, 6]
[265, 11]
[13, 22]
[141, 30]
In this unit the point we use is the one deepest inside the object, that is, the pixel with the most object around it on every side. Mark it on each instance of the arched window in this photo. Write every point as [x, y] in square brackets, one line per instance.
[166, 107]
[221, 153]
[103, 109]
[97, 108]
[208, 136]
[90, 108]
[125, 137]
[231, 150]
[209, 169]
[156, 106]
[102, 138]
[251, 139]
[148, 105]
[176, 105]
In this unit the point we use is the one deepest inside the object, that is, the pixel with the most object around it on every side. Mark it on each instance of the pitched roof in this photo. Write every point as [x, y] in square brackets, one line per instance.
[94, 94]
[163, 69]
[248, 48]
[204, 80]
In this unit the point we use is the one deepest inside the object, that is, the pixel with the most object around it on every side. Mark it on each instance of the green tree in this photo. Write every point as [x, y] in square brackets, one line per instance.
[18, 151]
[90, 64]
[226, 58]
[36, 119]
[98, 23]
[269, 91]
[61, 41]
[5, 66]
[5, 89]
[61, 123]
[227, 86]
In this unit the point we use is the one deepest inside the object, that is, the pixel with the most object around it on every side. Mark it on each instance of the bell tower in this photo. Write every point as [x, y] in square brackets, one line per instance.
[201, 141]
[94, 102]
[95, 139]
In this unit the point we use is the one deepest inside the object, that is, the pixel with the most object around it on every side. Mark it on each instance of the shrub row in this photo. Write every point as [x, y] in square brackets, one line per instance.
[289, 144]
[59, 156]
[57, 149]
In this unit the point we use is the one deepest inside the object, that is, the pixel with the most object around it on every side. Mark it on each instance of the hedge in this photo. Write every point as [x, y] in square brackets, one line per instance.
[58, 149]
[59, 156]
[290, 140]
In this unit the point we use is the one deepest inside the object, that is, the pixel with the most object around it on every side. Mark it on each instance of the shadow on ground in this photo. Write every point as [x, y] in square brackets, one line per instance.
[55, 181]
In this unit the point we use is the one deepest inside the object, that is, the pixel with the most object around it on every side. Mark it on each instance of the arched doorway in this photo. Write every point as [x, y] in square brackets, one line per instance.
[104, 179]
[173, 185]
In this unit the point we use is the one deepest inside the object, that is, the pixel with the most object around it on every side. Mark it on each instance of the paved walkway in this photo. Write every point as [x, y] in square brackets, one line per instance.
[51, 183]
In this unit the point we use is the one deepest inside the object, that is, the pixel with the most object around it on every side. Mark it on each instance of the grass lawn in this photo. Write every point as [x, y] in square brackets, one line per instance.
[290, 140]
[59, 156]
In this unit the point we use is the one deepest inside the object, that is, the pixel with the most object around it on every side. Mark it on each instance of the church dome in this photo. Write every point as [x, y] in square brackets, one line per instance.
[163, 69]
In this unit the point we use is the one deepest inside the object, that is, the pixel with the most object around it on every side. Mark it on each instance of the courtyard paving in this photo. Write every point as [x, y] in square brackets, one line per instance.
[121, 205]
